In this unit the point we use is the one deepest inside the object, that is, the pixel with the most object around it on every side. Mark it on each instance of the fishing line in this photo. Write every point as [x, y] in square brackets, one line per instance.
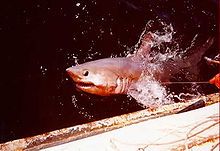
[184, 82]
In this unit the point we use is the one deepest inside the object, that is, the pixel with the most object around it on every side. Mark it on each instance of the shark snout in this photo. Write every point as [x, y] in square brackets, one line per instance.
[72, 73]
[69, 71]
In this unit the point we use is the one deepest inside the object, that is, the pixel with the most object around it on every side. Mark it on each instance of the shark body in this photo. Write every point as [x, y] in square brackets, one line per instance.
[111, 76]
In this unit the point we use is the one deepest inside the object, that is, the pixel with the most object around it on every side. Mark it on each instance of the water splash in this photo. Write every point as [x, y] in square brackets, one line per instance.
[81, 110]
[149, 92]
[182, 97]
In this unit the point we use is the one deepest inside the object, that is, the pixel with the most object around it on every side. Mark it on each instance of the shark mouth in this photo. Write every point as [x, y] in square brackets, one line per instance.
[84, 84]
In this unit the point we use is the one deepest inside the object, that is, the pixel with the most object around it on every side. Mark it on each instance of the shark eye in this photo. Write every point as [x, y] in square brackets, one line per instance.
[86, 73]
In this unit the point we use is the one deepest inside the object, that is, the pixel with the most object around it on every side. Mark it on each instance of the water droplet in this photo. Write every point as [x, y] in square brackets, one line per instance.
[77, 4]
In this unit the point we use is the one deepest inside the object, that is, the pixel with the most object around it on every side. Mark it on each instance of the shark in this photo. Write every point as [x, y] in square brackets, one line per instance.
[111, 76]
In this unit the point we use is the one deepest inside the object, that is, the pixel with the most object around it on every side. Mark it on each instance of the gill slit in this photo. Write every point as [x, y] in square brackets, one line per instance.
[122, 85]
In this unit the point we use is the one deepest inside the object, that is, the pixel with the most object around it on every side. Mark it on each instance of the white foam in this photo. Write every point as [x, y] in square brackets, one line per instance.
[149, 92]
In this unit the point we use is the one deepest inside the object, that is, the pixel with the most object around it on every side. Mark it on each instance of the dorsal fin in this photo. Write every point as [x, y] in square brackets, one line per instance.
[143, 46]
[146, 42]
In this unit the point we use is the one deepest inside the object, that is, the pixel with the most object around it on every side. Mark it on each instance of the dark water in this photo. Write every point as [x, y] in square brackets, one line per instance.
[39, 38]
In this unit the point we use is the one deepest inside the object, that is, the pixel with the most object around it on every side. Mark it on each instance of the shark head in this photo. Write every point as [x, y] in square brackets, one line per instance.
[104, 77]
[91, 80]
[94, 77]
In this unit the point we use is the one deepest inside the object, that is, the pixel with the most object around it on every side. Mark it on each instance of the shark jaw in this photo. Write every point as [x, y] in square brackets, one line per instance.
[84, 85]
[91, 88]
